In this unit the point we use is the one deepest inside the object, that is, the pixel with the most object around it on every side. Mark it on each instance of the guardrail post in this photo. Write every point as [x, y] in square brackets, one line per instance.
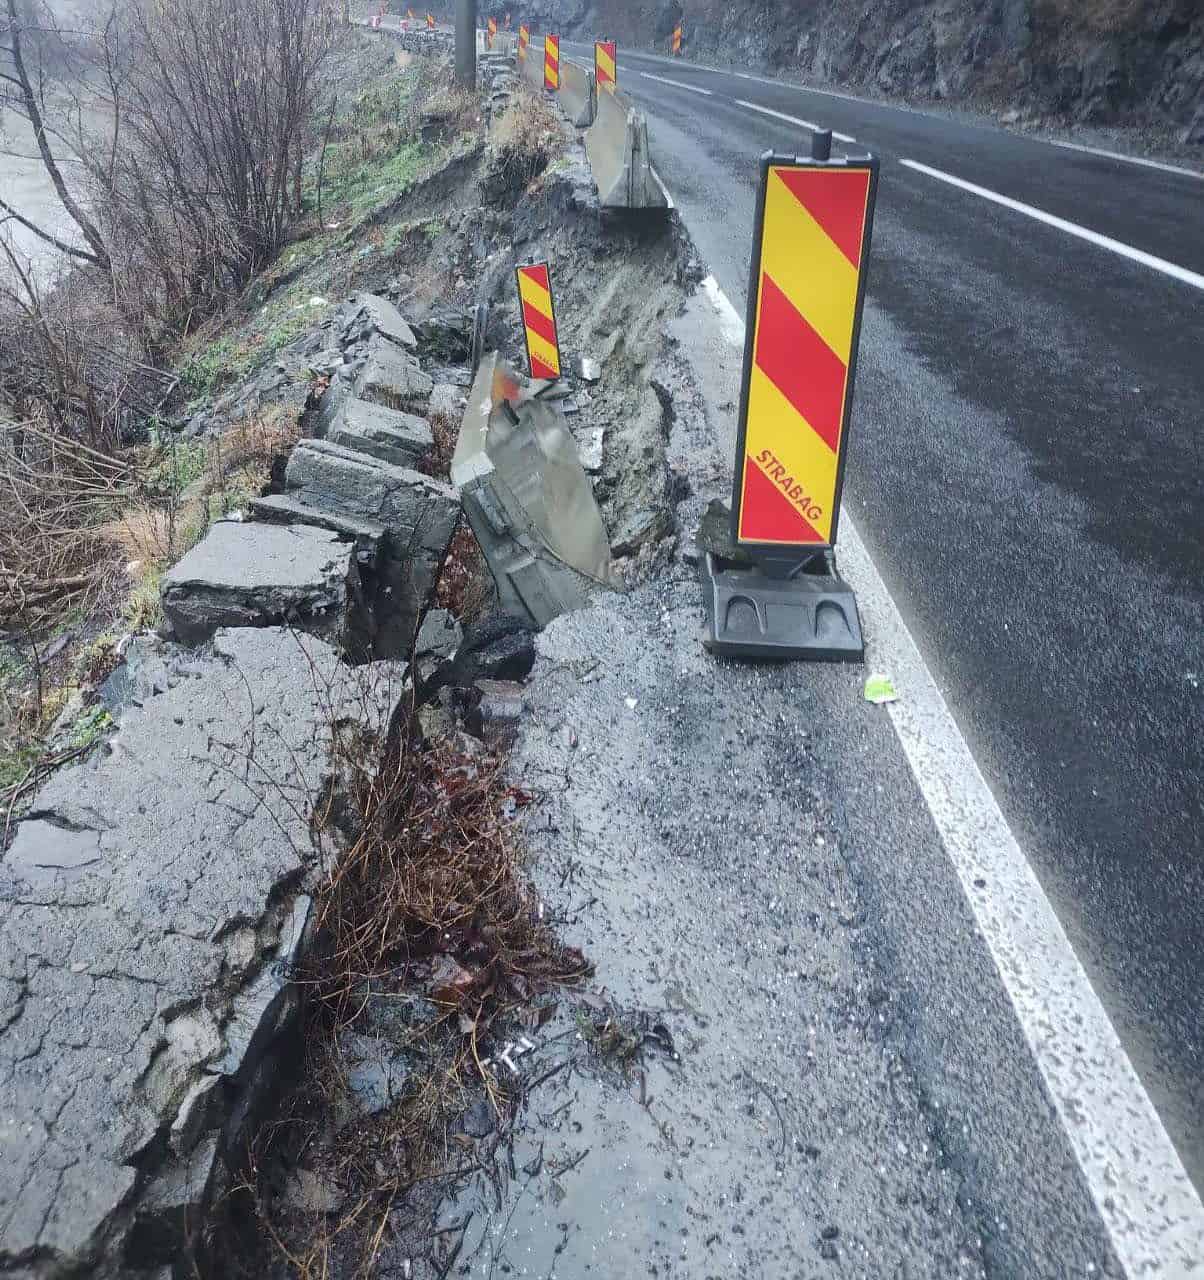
[466, 43]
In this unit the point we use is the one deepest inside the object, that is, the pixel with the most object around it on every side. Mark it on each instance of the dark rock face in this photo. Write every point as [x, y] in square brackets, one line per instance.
[1105, 61]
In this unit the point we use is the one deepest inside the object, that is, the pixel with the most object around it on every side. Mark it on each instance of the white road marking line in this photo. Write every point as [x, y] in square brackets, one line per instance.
[803, 124]
[1147, 1203]
[677, 84]
[731, 324]
[1071, 228]
[664, 189]
[1119, 155]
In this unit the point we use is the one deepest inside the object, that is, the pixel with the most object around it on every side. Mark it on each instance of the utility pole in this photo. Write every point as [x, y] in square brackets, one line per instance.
[466, 43]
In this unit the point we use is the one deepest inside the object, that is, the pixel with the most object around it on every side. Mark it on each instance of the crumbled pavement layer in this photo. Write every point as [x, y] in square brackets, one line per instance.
[261, 575]
[418, 514]
[703, 878]
[151, 908]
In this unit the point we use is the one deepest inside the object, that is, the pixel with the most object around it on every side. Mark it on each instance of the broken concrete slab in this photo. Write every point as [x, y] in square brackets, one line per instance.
[439, 636]
[120, 978]
[392, 378]
[418, 513]
[366, 534]
[528, 499]
[262, 575]
[403, 439]
[368, 313]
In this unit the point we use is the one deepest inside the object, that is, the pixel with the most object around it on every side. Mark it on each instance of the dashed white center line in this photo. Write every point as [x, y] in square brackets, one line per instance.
[1070, 228]
[802, 124]
[677, 84]
[1119, 155]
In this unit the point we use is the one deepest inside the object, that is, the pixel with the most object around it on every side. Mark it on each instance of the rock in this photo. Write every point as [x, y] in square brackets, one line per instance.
[589, 447]
[392, 378]
[400, 438]
[366, 534]
[172, 1209]
[311, 1192]
[498, 647]
[262, 575]
[376, 1072]
[447, 401]
[440, 635]
[445, 337]
[498, 709]
[715, 535]
[478, 1121]
[369, 314]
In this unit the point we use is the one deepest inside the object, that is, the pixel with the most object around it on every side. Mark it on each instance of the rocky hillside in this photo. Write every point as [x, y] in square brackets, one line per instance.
[1112, 62]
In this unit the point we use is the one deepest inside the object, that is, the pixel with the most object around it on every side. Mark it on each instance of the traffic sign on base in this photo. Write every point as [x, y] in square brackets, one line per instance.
[806, 292]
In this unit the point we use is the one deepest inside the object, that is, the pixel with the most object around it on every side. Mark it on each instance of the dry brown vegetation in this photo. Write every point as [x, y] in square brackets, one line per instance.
[427, 907]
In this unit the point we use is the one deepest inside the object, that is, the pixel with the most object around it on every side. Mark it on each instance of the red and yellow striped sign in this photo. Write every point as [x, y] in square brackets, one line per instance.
[430, 22]
[539, 320]
[605, 71]
[809, 274]
[492, 31]
[524, 39]
[675, 45]
[551, 63]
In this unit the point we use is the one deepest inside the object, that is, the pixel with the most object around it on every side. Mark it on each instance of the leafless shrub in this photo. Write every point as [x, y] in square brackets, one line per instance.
[525, 141]
[217, 101]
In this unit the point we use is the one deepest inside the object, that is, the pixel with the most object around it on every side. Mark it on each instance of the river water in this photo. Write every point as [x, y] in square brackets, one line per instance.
[25, 186]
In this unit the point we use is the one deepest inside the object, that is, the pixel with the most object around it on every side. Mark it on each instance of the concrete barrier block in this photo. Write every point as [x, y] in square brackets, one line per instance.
[528, 500]
[617, 147]
[576, 96]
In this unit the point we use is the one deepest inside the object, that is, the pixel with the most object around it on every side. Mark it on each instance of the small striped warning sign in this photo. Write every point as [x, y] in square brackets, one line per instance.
[808, 285]
[551, 63]
[675, 44]
[524, 39]
[492, 31]
[539, 320]
[605, 71]
[430, 22]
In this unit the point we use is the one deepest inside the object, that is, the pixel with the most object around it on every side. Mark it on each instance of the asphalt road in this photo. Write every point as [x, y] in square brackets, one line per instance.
[1026, 471]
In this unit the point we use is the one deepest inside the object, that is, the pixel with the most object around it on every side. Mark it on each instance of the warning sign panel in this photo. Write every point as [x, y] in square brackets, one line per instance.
[814, 220]
[606, 74]
[539, 320]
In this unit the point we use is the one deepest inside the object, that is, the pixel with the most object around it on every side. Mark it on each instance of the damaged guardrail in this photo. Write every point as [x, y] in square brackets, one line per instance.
[617, 147]
[527, 498]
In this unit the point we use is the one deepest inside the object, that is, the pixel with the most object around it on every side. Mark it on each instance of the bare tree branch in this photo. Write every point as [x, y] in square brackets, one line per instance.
[33, 103]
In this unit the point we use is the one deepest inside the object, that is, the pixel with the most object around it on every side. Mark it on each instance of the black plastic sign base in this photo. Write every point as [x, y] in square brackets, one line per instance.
[751, 614]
